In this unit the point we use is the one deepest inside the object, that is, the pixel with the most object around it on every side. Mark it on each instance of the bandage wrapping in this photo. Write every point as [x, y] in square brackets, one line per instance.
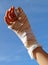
[31, 49]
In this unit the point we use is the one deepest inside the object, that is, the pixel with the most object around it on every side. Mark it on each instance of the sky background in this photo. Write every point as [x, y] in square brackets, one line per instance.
[12, 51]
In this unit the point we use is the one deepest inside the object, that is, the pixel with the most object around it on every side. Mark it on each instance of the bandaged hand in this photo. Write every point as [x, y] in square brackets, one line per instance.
[17, 20]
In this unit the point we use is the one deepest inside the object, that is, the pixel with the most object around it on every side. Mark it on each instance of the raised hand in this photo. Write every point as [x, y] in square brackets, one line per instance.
[17, 19]
[18, 22]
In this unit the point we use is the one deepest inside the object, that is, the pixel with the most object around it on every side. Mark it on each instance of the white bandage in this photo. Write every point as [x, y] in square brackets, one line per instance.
[23, 37]
[31, 49]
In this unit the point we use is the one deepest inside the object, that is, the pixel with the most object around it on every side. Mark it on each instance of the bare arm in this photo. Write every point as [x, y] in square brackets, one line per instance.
[41, 56]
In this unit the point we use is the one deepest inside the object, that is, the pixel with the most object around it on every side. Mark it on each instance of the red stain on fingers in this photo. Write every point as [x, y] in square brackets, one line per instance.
[10, 16]
[7, 19]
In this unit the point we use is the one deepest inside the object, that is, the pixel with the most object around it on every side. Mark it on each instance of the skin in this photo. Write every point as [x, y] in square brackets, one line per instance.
[41, 56]
[20, 18]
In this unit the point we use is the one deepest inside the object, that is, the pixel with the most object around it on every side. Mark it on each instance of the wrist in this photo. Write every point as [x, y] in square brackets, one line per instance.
[33, 49]
[27, 37]
[30, 39]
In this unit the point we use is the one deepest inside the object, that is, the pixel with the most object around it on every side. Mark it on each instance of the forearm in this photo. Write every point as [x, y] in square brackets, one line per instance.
[41, 56]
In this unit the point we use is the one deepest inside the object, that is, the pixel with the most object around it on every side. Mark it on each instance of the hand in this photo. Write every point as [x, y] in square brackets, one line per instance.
[17, 19]
[18, 22]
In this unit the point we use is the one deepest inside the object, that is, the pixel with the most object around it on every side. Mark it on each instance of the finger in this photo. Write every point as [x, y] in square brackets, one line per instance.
[12, 9]
[21, 15]
[12, 14]
[6, 18]
[8, 21]
[19, 10]
[9, 16]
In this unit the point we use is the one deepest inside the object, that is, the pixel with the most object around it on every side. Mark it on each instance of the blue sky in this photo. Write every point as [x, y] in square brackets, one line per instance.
[12, 51]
